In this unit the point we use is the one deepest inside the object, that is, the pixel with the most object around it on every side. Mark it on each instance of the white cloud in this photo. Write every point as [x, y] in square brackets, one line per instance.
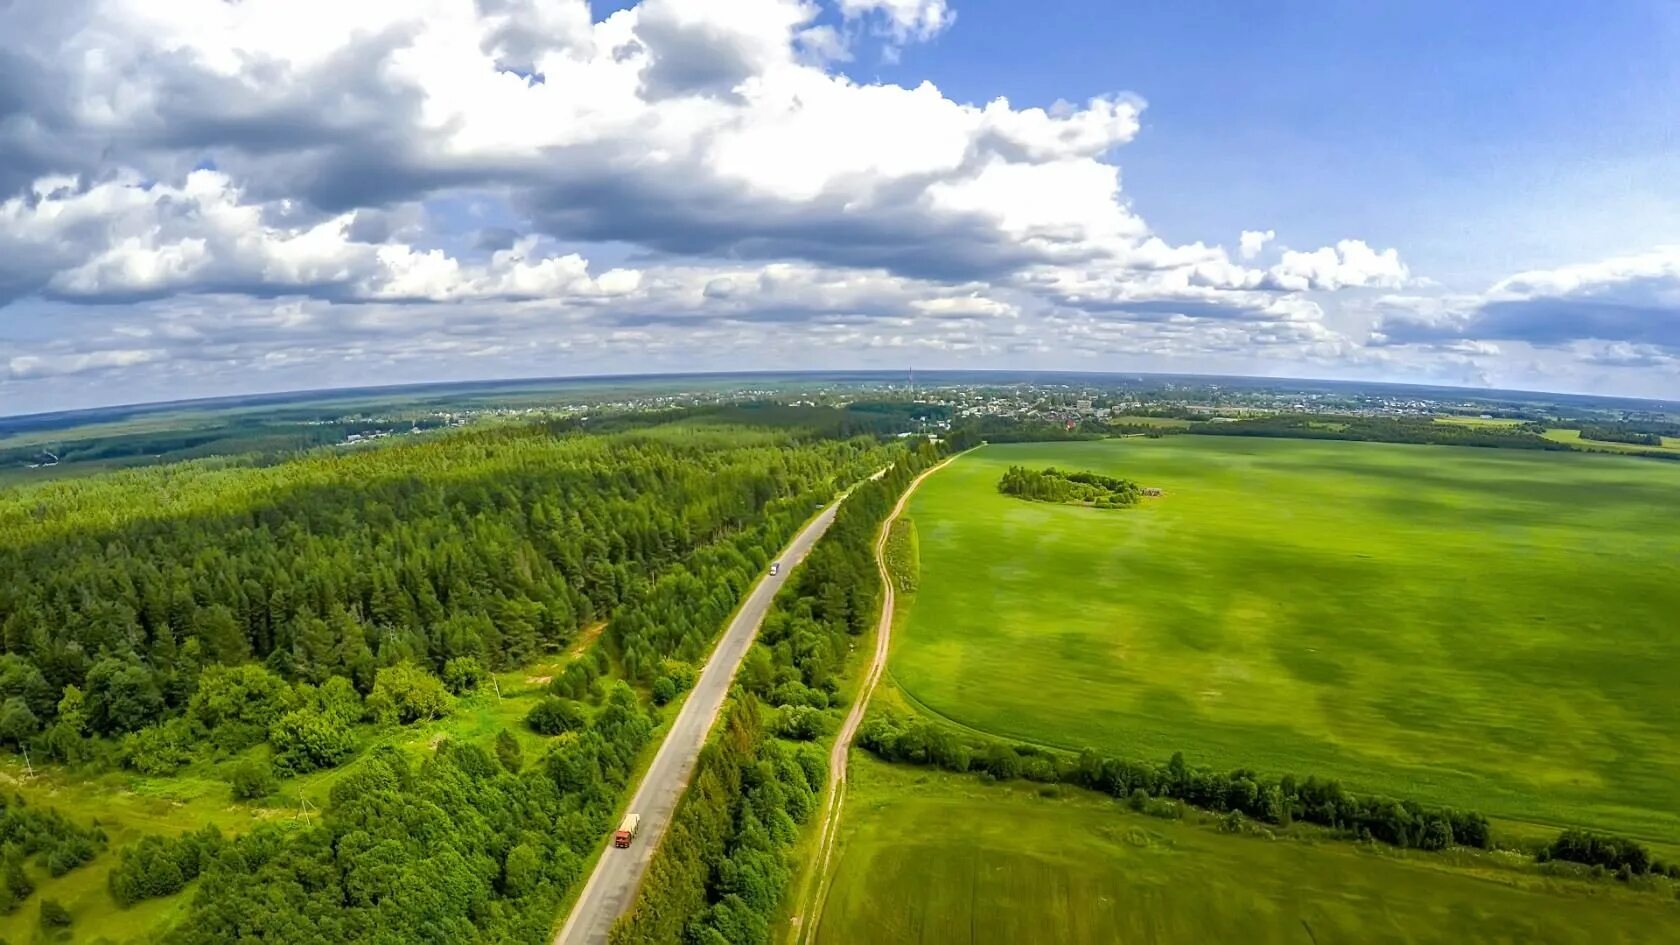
[1348, 264]
[1253, 241]
[904, 20]
[753, 198]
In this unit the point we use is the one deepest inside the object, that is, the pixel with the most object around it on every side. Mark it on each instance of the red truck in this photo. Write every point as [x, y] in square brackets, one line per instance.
[626, 831]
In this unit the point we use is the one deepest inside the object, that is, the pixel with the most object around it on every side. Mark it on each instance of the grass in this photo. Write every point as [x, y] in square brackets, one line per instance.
[1489, 629]
[129, 806]
[937, 859]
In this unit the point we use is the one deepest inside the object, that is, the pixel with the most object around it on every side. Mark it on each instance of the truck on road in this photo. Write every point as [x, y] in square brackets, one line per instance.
[626, 831]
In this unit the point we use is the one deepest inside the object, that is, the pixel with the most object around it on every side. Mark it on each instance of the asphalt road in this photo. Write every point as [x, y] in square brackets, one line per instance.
[612, 887]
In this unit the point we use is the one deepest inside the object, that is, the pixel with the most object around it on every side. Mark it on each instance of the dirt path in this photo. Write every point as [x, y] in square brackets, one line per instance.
[804, 920]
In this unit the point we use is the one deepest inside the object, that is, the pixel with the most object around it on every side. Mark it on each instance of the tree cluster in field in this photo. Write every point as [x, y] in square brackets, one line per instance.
[55, 844]
[831, 600]
[465, 847]
[724, 864]
[1620, 855]
[117, 592]
[1279, 801]
[1069, 488]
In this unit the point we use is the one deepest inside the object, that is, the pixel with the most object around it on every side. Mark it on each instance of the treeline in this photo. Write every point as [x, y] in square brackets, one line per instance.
[117, 592]
[832, 599]
[1280, 801]
[1072, 488]
[1380, 429]
[1624, 433]
[726, 861]
[461, 848]
[973, 432]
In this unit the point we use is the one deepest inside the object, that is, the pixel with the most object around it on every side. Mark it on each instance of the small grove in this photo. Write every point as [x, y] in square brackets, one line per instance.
[1158, 788]
[1069, 488]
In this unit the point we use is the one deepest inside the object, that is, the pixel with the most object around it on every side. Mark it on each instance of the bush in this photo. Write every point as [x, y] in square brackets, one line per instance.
[555, 716]
[800, 723]
[405, 693]
[160, 749]
[253, 779]
[54, 915]
[308, 739]
[664, 690]
[463, 674]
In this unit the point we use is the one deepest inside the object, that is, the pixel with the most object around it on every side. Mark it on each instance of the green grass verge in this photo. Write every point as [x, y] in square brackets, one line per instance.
[1489, 629]
[929, 858]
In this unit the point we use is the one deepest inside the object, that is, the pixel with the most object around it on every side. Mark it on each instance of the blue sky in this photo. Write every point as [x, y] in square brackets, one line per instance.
[198, 198]
[1482, 138]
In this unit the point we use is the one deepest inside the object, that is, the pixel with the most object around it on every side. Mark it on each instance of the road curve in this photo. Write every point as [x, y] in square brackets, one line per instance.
[805, 920]
[612, 886]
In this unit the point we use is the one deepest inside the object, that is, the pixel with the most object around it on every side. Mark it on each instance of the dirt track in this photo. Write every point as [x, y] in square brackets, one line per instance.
[805, 919]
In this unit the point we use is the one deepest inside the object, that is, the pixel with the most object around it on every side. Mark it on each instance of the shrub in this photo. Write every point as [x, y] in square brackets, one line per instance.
[800, 723]
[463, 674]
[308, 739]
[405, 693]
[160, 749]
[555, 716]
[253, 779]
[54, 915]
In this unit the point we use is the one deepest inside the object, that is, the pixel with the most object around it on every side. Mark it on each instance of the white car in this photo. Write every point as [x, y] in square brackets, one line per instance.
[775, 567]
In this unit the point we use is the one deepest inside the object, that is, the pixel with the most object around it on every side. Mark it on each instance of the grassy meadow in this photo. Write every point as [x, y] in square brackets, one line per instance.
[936, 859]
[1490, 629]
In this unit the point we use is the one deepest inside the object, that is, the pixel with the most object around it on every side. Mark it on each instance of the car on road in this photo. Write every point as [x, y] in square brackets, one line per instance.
[775, 568]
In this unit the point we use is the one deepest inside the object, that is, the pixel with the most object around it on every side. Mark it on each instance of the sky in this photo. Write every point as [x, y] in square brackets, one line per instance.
[202, 197]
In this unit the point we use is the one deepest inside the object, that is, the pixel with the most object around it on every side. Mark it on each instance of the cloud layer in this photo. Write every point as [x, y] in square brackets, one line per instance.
[219, 189]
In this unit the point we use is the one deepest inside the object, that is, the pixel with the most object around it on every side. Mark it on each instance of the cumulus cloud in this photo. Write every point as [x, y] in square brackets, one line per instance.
[1631, 303]
[126, 239]
[1348, 264]
[1253, 241]
[271, 181]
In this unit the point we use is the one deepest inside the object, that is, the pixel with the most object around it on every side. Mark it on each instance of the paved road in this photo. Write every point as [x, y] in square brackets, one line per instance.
[612, 886]
[810, 912]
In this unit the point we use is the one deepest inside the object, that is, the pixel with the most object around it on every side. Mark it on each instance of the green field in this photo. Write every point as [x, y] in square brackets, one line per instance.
[941, 859]
[1492, 629]
[1670, 444]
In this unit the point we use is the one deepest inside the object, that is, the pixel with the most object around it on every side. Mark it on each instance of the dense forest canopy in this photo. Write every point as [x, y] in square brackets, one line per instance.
[265, 617]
